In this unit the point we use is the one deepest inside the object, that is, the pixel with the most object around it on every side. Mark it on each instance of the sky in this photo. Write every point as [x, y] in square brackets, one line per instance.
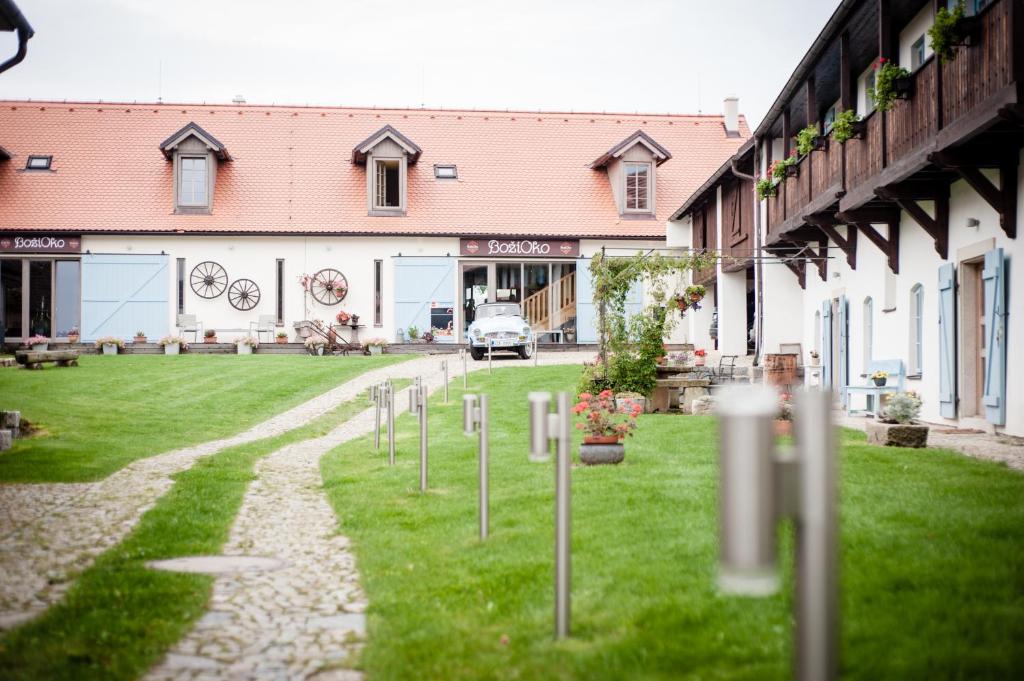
[651, 56]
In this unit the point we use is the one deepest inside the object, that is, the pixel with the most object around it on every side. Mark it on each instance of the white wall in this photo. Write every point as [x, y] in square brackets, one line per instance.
[914, 30]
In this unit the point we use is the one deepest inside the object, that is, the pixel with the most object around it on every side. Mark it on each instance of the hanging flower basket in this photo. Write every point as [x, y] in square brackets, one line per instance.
[682, 303]
[696, 293]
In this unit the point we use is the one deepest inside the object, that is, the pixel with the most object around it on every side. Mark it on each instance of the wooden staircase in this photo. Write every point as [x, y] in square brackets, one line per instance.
[537, 307]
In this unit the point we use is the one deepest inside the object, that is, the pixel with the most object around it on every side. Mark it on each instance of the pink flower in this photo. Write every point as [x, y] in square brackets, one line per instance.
[586, 396]
[605, 394]
[580, 426]
[581, 407]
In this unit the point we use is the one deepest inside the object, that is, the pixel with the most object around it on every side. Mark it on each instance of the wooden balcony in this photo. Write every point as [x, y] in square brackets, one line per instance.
[949, 105]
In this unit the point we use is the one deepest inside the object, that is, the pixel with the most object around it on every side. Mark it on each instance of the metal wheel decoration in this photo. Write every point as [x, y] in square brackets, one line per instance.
[329, 287]
[208, 279]
[243, 294]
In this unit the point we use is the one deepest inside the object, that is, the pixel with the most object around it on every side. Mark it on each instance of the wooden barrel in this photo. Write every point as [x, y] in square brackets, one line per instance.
[780, 369]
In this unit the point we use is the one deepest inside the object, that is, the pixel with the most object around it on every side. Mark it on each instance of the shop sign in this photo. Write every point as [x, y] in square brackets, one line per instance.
[520, 248]
[58, 243]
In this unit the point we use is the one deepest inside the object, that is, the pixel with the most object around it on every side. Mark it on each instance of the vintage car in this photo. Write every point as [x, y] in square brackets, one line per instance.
[501, 327]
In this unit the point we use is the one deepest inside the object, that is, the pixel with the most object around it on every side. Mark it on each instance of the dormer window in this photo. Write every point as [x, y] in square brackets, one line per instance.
[387, 155]
[194, 153]
[631, 166]
[637, 186]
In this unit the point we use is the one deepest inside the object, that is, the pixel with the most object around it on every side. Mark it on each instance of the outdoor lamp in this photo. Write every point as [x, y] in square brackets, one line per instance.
[468, 416]
[539, 451]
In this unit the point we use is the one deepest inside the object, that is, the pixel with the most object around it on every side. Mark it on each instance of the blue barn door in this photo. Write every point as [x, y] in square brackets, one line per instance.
[994, 277]
[421, 283]
[947, 341]
[122, 294]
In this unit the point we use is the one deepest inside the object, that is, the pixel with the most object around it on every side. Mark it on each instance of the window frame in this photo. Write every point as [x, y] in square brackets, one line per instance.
[438, 167]
[400, 206]
[378, 293]
[179, 284]
[279, 290]
[918, 50]
[38, 169]
[179, 184]
[649, 174]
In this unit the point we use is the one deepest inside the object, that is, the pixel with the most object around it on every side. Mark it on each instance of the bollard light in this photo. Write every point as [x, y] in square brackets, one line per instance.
[421, 402]
[414, 399]
[377, 394]
[465, 369]
[747, 515]
[468, 414]
[539, 404]
[389, 397]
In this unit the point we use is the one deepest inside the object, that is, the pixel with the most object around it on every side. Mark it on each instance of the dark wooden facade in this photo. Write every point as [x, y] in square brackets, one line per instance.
[705, 238]
[737, 224]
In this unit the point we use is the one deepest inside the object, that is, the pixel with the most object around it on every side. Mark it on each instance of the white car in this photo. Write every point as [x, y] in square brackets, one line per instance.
[501, 327]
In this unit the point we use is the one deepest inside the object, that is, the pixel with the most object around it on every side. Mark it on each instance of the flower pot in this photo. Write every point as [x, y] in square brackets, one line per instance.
[698, 362]
[880, 381]
[820, 143]
[109, 348]
[815, 361]
[172, 348]
[210, 339]
[376, 350]
[354, 321]
[896, 434]
[244, 348]
[903, 87]
[696, 297]
[139, 339]
[792, 171]
[783, 428]
[281, 340]
[73, 338]
[40, 347]
[604, 453]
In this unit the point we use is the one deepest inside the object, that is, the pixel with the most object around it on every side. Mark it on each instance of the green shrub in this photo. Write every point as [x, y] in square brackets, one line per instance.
[943, 33]
[805, 140]
[842, 127]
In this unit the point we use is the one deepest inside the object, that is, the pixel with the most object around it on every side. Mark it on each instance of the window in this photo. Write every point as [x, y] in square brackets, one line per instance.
[637, 186]
[916, 329]
[446, 172]
[830, 119]
[869, 86]
[279, 308]
[869, 329]
[192, 181]
[38, 162]
[917, 54]
[378, 292]
[181, 285]
[387, 192]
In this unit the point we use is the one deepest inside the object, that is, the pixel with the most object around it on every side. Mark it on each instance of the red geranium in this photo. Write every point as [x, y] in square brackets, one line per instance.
[603, 417]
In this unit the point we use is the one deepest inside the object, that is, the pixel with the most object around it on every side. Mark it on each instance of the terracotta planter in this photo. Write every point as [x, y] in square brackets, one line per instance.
[783, 428]
[73, 338]
[281, 340]
[210, 339]
[600, 439]
[139, 339]
[696, 297]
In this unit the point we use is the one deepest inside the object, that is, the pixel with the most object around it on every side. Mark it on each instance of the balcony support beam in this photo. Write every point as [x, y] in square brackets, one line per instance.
[847, 245]
[1002, 199]
[864, 219]
[792, 259]
[937, 227]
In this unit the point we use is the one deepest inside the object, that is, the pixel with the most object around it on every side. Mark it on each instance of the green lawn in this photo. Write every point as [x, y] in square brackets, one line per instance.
[110, 411]
[932, 558]
[121, 617]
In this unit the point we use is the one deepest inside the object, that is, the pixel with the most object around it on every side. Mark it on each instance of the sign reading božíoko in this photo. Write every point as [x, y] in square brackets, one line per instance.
[40, 243]
[520, 248]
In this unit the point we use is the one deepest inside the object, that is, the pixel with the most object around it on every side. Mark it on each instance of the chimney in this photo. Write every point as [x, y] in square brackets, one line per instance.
[238, 99]
[731, 116]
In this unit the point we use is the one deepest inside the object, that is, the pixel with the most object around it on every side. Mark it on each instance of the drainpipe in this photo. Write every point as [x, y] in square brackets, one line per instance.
[25, 32]
[758, 271]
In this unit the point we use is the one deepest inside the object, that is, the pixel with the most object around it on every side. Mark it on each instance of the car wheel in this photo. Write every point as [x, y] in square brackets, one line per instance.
[525, 351]
[476, 353]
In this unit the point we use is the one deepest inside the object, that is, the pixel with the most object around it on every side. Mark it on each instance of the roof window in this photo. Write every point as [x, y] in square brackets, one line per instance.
[38, 162]
[446, 172]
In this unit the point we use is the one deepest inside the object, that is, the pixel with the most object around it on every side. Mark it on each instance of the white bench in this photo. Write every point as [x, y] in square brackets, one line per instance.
[873, 393]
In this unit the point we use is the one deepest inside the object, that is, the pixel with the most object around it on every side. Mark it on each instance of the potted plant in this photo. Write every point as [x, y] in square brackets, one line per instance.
[784, 416]
[695, 294]
[315, 346]
[172, 345]
[413, 333]
[38, 343]
[428, 337]
[951, 29]
[682, 302]
[810, 139]
[570, 334]
[786, 167]
[140, 337]
[766, 188]
[210, 336]
[604, 426]
[699, 357]
[246, 345]
[895, 426]
[354, 321]
[815, 358]
[891, 82]
[109, 345]
[880, 378]
[376, 345]
[847, 125]
[342, 317]
[679, 358]
[73, 335]
[281, 337]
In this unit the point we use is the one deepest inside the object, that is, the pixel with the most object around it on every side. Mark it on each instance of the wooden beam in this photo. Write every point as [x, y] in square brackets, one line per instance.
[888, 215]
[890, 247]
[822, 259]
[848, 245]
[937, 227]
[799, 269]
[1002, 199]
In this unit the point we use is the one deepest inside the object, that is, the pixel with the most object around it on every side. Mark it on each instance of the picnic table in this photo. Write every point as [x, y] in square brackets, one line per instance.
[675, 380]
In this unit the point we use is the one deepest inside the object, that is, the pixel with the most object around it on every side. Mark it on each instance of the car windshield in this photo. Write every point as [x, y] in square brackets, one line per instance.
[503, 310]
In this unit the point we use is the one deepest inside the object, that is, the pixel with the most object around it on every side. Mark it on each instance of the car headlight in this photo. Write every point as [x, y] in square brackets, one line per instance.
[477, 333]
[526, 331]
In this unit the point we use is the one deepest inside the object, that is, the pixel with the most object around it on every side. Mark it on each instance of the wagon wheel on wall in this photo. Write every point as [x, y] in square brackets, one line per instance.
[243, 294]
[208, 279]
[329, 287]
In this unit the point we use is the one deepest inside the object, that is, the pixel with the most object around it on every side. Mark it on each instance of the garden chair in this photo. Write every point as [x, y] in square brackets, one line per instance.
[267, 323]
[187, 323]
[726, 370]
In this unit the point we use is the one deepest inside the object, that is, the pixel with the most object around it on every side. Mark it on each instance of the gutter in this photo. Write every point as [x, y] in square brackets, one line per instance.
[16, 19]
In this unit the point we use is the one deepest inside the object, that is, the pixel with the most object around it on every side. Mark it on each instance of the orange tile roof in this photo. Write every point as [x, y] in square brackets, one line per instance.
[520, 173]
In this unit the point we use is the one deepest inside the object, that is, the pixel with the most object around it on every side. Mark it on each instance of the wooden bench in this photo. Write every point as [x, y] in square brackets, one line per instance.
[31, 359]
[873, 393]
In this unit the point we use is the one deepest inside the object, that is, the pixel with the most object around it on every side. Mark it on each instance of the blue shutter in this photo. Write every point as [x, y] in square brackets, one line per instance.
[586, 314]
[947, 341]
[826, 344]
[419, 283]
[844, 349]
[994, 276]
[122, 294]
[635, 299]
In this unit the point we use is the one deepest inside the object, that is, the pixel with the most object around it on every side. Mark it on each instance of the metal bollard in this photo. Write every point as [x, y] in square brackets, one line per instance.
[389, 392]
[544, 425]
[490, 346]
[375, 391]
[473, 417]
[761, 485]
[535, 349]
[444, 369]
[422, 403]
[465, 370]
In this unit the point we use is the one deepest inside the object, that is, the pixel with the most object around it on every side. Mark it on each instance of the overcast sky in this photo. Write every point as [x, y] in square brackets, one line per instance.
[679, 56]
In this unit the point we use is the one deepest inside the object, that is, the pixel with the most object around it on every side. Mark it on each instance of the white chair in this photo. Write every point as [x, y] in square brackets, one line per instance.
[187, 323]
[267, 323]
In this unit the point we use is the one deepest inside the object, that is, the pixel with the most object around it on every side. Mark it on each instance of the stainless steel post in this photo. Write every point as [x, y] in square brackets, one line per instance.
[376, 417]
[535, 348]
[423, 437]
[485, 453]
[540, 449]
[390, 392]
[444, 367]
[489, 353]
[817, 545]
[465, 371]
[563, 560]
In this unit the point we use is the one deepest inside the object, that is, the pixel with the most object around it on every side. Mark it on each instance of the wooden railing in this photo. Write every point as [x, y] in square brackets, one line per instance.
[537, 306]
[941, 96]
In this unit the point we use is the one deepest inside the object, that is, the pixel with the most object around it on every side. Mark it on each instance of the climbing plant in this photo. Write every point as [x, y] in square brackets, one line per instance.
[631, 344]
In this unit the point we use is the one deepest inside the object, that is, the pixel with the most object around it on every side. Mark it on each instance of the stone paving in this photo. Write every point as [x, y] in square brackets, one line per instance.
[49, 532]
